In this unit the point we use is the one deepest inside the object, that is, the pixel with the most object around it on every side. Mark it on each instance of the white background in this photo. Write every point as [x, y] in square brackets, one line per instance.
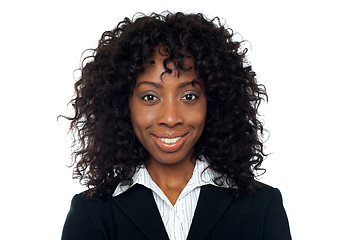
[294, 50]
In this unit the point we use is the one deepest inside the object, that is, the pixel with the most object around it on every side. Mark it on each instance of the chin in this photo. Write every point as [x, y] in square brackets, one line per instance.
[172, 158]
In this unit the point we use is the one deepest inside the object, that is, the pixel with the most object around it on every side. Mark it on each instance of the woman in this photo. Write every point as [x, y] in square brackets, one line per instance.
[166, 115]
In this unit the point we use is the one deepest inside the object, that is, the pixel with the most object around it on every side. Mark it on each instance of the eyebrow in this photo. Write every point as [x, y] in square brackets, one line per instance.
[182, 85]
[193, 82]
[156, 85]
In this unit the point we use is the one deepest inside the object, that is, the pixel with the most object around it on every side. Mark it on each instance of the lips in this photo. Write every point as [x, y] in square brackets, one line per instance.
[170, 143]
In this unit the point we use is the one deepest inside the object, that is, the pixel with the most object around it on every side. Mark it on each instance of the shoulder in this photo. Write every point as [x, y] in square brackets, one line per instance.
[87, 217]
[269, 204]
[83, 203]
[265, 195]
[264, 198]
[87, 199]
[266, 204]
[259, 215]
[266, 192]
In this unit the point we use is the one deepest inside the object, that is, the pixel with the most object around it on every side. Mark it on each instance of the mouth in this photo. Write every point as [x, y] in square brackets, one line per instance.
[170, 144]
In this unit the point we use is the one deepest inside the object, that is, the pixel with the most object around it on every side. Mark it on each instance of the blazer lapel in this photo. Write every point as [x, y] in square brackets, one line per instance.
[139, 205]
[213, 202]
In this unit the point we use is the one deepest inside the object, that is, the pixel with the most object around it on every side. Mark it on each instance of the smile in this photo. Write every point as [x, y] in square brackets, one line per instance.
[170, 140]
[168, 144]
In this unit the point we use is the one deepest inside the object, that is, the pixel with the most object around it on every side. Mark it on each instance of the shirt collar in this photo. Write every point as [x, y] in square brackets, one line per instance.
[202, 175]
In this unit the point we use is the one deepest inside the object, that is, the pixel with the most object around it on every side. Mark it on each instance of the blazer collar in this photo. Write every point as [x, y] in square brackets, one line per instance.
[213, 202]
[139, 205]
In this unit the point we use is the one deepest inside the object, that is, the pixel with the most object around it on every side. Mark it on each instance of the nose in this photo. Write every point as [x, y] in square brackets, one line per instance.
[171, 114]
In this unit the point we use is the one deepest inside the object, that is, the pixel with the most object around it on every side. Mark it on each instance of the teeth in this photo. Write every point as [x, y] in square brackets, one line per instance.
[170, 140]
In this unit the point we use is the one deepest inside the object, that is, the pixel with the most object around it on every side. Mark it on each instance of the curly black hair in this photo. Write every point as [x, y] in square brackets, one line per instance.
[108, 151]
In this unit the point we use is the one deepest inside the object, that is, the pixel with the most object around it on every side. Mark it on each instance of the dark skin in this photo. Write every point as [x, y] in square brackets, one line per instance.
[168, 117]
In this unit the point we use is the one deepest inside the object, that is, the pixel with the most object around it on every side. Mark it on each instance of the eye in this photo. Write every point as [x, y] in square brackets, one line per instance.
[149, 98]
[190, 97]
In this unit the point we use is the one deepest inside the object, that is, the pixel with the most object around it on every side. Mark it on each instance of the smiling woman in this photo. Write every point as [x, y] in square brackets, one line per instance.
[169, 139]
[168, 113]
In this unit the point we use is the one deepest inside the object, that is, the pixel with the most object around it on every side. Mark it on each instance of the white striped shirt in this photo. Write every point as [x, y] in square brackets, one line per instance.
[176, 218]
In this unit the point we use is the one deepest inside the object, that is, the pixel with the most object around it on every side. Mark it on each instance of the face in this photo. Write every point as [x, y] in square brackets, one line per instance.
[168, 113]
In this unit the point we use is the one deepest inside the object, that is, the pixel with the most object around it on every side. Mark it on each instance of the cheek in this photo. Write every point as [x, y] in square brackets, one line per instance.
[134, 116]
[197, 117]
[202, 112]
[200, 121]
[141, 118]
[137, 121]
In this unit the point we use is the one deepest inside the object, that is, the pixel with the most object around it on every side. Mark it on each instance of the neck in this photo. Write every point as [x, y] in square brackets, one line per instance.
[171, 178]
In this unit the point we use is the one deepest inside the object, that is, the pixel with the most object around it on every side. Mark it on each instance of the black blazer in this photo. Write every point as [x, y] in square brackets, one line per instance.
[134, 215]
